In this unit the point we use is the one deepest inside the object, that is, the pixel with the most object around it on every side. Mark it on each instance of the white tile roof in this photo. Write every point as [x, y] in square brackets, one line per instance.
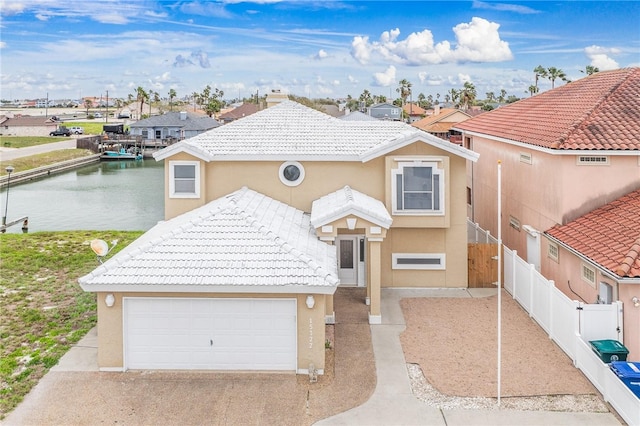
[348, 201]
[244, 242]
[291, 131]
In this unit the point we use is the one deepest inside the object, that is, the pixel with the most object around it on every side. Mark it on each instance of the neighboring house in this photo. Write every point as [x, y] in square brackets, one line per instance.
[173, 125]
[385, 111]
[414, 112]
[241, 111]
[26, 125]
[441, 122]
[265, 216]
[564, 153]
[603, 248]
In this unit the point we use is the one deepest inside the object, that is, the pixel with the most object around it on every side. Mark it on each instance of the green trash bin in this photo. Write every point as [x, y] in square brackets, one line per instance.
[609, 350]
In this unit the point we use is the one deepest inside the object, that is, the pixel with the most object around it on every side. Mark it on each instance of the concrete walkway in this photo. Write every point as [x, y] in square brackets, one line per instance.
[393, 403]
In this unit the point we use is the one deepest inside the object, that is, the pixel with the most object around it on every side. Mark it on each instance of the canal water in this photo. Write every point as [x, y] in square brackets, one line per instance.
[118, 195]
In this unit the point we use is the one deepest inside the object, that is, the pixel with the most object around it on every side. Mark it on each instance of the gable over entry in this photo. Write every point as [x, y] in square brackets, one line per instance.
[347, 210]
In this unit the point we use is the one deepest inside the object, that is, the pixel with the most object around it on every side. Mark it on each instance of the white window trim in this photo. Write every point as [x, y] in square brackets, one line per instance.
[592, 160]
[553, 251]
[418, 256]
[289, 182]
[417, 163]
[172, 193]
[585, 277]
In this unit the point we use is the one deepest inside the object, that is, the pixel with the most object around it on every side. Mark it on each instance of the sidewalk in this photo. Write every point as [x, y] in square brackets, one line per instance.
[392, 403]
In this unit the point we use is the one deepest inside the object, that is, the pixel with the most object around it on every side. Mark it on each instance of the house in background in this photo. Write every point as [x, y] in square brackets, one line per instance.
[602, 247]
[385, 111]
[441, 123]
[564, 153]
[25, 125]
[414, 112]
[236, 113]
[265, 216]
[172, 126]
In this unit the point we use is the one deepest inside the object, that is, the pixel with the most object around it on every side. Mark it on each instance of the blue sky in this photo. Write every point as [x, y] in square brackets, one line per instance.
[75, 48]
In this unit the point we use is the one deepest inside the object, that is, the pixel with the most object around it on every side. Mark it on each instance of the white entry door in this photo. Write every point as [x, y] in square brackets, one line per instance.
[210, 334]
[351, 259]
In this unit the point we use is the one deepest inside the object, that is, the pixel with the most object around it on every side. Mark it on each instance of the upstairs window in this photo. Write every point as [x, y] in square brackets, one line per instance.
[418, 188]
[184, 179]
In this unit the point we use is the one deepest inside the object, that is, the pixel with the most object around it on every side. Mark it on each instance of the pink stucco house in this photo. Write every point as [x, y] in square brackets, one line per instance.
[570, 157]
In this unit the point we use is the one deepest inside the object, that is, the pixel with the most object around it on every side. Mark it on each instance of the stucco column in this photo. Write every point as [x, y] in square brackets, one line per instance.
[375, 316]
[329, 312]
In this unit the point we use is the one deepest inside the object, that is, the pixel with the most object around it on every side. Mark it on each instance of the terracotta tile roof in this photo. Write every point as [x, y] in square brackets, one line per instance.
[414, 109]
[609, 235]
[598, 112]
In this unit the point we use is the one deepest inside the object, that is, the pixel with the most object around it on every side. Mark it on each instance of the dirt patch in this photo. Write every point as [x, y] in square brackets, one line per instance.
[454, 340]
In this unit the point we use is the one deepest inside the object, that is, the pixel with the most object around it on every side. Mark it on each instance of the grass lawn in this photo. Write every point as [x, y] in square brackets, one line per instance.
[43, 310]
[47, 158]
[25, 141]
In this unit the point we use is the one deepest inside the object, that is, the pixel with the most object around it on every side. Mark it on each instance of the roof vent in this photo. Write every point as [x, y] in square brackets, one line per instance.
[183, 115]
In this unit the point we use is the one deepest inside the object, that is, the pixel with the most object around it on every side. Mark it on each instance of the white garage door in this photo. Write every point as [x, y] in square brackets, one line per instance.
[210, 334]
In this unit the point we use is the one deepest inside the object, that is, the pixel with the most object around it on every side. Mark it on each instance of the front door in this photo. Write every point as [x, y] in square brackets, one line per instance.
[351, 259]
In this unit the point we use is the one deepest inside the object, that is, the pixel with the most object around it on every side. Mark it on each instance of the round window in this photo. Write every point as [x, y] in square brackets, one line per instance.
[291, 173]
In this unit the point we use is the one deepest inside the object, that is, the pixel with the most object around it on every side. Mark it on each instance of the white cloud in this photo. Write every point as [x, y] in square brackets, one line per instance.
[476, 41]
[111, 18]
[352, 79]
[195, 58]
[385, 78]
[3, 44]
[321, 54]
[599, 57]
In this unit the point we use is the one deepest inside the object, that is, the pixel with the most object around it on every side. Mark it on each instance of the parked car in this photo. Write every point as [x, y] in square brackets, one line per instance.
[61, 131]
[77, 130]
[97, 115]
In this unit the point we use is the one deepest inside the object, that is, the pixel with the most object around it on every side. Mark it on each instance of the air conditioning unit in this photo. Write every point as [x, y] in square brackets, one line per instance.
[605, 296]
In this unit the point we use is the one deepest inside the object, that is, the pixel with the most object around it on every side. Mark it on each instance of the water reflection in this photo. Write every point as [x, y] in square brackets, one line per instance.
[118, 195]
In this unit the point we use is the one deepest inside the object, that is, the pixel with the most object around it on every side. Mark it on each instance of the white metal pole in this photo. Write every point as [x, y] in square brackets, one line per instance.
[499, 277]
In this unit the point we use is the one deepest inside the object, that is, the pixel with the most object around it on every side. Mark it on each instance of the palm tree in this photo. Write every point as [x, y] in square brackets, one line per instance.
[172, 94]
[490, 96]
[467, 94]
[540, 71]
[590, 69]
[503, 96]
[141, 96]
[88, 104]
[554, 74]
[533, 89]
[366, 98]
[404, 90]
[454, 95]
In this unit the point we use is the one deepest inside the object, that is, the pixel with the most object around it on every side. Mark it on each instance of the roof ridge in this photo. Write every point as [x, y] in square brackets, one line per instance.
[281, 242]
[596, 107]
[629, 259]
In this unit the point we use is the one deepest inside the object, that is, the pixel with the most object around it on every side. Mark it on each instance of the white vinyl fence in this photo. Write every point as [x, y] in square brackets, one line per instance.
[569, 323]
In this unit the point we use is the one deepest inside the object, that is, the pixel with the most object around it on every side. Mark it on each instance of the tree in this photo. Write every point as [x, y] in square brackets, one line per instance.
[454, 94]
[172, 94]
[490, 96]
[533, 89]
[590, 69]
[88, 104]
[404, 90]
[503, 96]
[540, 71]
[366, 98]
[141, 96]
[211, 100]
[467, 94]
[554, 74]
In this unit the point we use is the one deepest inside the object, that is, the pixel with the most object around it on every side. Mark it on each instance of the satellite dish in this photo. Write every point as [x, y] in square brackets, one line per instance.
[100, 247]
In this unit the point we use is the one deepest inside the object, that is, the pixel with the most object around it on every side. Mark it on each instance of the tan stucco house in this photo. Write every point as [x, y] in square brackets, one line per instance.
[265, 217]
[564, 153]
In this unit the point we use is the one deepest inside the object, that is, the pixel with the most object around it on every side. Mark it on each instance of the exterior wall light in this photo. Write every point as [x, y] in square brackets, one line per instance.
[311, 302]
[636, 301]
[109, 300]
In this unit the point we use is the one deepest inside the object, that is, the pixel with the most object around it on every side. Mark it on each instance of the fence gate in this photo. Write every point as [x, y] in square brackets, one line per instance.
[482, 265]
